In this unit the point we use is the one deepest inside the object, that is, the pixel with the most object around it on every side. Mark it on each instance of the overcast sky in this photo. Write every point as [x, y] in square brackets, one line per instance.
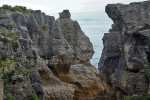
[55, 6]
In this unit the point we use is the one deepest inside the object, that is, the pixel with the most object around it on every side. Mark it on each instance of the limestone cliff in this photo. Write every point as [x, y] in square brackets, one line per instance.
[125, 61]
[46, 59]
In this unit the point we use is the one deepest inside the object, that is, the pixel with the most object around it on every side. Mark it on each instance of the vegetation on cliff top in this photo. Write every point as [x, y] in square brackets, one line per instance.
[15, 8]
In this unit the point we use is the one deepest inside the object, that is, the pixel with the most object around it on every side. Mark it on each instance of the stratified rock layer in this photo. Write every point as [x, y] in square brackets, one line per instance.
[124, 64]
[48, 58]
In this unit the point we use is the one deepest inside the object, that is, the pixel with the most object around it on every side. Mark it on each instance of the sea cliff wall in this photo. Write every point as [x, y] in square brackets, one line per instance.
[46, 59]
[125, 60]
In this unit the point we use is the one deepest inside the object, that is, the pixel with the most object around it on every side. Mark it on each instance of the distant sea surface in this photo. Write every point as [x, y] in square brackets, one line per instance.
[94, 25]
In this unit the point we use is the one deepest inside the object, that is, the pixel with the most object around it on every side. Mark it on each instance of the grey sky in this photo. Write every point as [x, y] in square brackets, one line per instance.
[55, 6]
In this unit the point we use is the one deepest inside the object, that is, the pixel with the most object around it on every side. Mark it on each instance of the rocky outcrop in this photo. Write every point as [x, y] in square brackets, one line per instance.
[46, 58]
[124, 64]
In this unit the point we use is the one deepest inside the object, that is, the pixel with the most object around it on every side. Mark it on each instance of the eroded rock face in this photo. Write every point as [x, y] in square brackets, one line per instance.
[65, 14]
[124, 63]
[46, 57]
[79, 46]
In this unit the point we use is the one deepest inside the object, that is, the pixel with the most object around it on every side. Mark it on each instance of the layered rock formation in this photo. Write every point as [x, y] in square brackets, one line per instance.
[45, 58]
[124, 64]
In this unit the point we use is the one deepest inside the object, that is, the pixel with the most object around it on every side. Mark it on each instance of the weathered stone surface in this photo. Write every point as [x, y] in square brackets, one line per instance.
[124, 63]
[1, 89]
[85, 77]
[58, 93]
[65, 14]
[110, 56]
[79, 42]
[48, 59]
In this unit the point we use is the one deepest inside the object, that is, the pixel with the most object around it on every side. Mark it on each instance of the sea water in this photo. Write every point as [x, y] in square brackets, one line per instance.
[94, 25]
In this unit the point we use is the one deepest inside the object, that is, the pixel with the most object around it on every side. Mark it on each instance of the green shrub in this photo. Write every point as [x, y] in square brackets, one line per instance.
[17, 65]
[4, 40]
[33, 96]
[45, 27]
[1, 10]
[6, 77]
[143, 96]
[12, 36]
[7, 88]
[19, 8]
[10, 98]
[3, 31]
[14, 44]
[7, 65]
[146, 96]
[7, 7]
[127, 98]
[2, 57]
[16, 8]
[13, 23]
[25, 72]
